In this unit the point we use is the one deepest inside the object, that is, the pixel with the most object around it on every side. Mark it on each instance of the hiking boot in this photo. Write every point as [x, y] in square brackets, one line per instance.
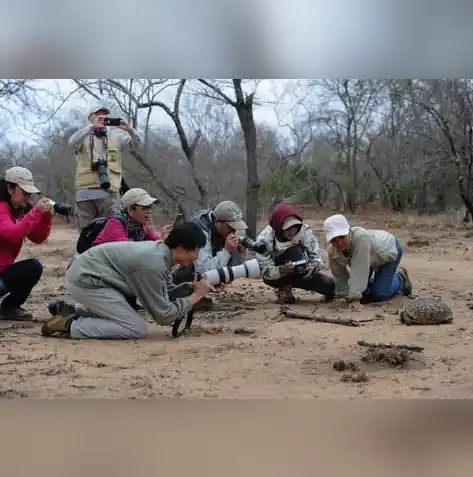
[206, 304]
[15, 314]
[406, 282]
[285, 296]
[61, 307]
[58, 324]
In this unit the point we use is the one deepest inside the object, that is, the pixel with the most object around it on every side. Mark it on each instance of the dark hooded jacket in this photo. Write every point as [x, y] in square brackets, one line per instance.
[279, 214]
[271, 235]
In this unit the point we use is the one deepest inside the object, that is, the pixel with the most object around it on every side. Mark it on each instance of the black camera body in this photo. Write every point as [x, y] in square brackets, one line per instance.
[253, 245]
[100, 167]
[66, 210]
[300, 267]
[112, 122]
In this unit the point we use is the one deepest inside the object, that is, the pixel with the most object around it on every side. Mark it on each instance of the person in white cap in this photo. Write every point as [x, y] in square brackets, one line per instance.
[356, 253]
[289, 240]
[19, 220]
[98, 150]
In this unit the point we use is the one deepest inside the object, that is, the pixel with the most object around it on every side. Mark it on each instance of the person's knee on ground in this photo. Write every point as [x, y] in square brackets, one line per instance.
[71, 327]
[376, 293]
[136, 330]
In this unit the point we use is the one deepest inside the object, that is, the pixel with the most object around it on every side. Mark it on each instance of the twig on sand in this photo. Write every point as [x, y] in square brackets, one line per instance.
[415, 349]
[289, 313]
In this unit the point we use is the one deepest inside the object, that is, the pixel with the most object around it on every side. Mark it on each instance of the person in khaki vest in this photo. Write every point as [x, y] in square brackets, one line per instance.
[98, 148]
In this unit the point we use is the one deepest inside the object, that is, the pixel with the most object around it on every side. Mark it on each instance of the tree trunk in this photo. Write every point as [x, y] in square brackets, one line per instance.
[245, 115]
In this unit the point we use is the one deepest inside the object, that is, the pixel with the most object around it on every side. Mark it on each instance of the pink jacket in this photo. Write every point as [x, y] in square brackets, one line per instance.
[115, 231]
[34, 225]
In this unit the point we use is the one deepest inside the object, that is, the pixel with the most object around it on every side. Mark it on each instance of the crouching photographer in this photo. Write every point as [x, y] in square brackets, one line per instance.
[19, 220]
[221, 225]
[105, 279]
[292, 258]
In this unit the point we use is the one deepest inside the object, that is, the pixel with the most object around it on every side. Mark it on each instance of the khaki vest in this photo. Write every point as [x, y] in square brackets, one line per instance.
[86, 178]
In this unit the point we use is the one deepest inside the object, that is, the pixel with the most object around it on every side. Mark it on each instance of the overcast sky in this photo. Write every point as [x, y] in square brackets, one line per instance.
[268, 91]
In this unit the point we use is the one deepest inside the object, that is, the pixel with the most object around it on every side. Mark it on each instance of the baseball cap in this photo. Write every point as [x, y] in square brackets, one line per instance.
[291, 222]
[21, 177]
[229, 212]
[97, 109]
[137, 196]
[336, 226]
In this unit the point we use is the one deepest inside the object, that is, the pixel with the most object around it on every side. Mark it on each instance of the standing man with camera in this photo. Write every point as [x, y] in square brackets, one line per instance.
[99, 165]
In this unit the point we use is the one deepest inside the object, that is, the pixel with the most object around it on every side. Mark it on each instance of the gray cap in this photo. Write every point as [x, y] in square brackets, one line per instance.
[137, 196]
[23, 178]
[97, 109]
[229, 212]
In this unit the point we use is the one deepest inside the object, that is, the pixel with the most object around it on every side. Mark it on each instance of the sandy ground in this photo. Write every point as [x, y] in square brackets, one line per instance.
[256, 354]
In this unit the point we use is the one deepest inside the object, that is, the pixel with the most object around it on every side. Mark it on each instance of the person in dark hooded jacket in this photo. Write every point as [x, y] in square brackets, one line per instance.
[288, 240]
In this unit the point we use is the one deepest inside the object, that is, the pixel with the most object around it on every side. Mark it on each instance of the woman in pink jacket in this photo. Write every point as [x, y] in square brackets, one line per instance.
[19, 220]
[131, 220]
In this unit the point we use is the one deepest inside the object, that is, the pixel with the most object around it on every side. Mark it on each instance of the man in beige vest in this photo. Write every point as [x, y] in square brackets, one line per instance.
[99, 149]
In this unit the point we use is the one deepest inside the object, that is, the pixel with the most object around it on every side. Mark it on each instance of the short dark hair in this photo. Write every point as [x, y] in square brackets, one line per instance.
[188, 235]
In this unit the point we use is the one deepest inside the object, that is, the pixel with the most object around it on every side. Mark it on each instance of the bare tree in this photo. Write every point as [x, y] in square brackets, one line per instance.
[243, 104]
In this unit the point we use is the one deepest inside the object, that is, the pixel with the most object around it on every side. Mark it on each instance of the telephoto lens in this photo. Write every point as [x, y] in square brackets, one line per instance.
[248, 269]
[103, 176]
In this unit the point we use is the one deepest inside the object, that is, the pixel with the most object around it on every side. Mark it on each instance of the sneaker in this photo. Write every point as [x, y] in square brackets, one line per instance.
[57, 324]
[15, 314]
[285, 296]
[406, 282]
[61, 307]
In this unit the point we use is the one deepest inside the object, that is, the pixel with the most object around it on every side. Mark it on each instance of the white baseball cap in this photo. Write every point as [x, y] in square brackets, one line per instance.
[97, 109]
[291, 222]
[23, 178]
[336, 226]
[137, 196]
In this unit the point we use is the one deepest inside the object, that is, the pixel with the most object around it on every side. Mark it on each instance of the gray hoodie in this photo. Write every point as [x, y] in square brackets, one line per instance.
[136, 269]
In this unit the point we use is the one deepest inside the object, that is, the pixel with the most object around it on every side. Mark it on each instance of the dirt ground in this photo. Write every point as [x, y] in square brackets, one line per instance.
[256, 354]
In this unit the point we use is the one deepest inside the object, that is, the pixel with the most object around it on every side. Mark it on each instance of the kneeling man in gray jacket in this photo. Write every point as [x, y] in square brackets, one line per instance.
[107, 278]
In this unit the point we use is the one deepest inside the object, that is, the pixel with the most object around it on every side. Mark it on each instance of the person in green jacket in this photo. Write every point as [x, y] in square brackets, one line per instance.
[104, 278]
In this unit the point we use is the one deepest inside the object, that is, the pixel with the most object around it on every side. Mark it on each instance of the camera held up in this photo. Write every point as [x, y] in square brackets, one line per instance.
[65, 210]
[253, 245]
[112, 122]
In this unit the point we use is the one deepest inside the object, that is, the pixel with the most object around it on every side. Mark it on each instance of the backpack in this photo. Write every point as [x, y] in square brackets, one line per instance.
[89, 233]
